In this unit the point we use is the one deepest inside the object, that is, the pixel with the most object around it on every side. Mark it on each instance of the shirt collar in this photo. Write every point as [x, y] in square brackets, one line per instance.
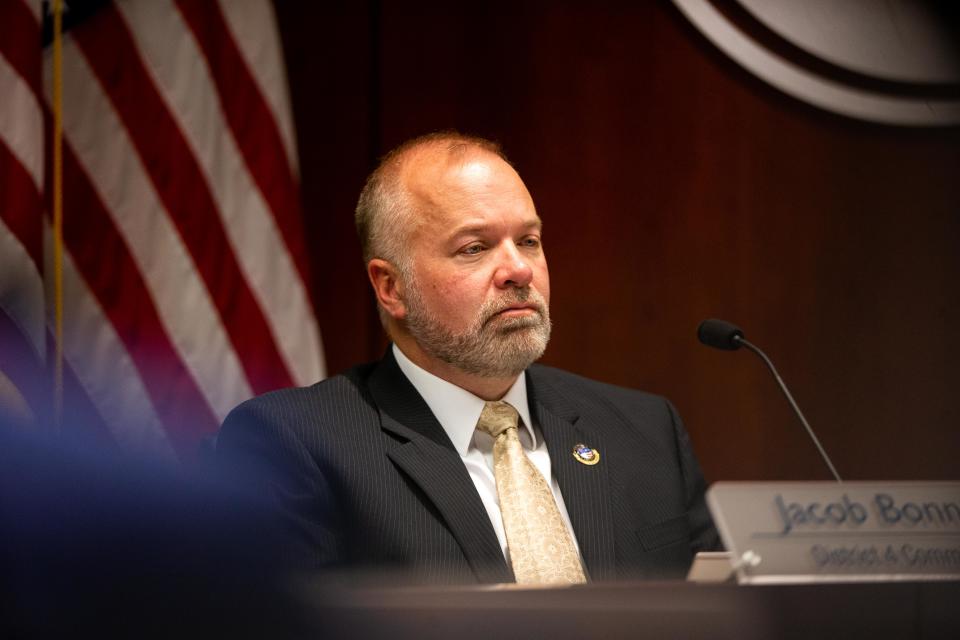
[456, 409]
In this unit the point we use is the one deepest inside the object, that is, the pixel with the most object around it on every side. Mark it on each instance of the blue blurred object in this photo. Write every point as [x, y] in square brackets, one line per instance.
[92, 543]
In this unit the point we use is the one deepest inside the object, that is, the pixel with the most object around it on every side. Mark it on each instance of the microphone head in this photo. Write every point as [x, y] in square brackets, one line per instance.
[720, 334]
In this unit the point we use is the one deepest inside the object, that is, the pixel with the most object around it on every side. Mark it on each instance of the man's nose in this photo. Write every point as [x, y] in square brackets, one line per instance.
[513, 269]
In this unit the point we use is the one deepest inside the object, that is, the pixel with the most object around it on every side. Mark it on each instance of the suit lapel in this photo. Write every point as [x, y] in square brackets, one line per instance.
[426, 455]
[585, 488]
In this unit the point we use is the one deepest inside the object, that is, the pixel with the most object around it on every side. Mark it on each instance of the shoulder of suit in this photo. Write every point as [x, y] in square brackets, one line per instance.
[566, 382]
[323, 399]
[624, 411]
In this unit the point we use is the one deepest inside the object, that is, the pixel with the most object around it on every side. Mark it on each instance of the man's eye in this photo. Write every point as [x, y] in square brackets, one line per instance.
[530, 241]
[472, 250]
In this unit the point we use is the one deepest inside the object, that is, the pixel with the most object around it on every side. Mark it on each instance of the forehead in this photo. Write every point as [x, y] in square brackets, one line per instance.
[473, 186]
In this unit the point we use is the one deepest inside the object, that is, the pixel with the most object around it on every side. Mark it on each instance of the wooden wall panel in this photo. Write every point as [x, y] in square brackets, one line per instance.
[674, 187]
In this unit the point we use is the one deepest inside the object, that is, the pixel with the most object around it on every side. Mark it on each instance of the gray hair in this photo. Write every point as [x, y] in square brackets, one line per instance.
[385, 208]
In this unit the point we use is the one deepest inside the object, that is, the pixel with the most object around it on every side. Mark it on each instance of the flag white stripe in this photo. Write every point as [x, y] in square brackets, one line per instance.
[104, 368]
[21, 290]
[36, 9]
[21, 131]
[21, 122]
[169, 51]
[255, 31]
[183, 303]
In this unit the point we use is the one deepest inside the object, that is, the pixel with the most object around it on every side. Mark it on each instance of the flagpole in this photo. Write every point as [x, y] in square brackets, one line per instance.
[58, 212]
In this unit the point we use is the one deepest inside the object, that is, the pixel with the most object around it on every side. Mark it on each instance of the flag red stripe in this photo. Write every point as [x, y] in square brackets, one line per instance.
[109, 47]
[20, 363]
[252, 123]
[21, 205]
[20, 43]
[106, 264]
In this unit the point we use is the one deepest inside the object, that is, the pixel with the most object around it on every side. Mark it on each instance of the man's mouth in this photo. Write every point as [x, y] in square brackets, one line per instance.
[516, 311]
[519, 311]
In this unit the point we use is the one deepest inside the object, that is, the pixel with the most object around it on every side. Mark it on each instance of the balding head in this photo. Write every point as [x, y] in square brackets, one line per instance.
[400, 187]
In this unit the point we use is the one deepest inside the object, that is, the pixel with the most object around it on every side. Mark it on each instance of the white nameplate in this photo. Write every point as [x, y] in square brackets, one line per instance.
[711, 566]
[789, 532]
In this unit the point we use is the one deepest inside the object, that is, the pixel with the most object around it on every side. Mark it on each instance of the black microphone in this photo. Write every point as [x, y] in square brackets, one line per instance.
[721, 334]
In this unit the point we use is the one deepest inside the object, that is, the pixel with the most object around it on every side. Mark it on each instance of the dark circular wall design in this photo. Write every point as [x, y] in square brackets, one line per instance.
[895, 62]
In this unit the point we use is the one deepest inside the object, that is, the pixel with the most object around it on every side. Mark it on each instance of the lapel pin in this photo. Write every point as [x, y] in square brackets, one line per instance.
[585, 454]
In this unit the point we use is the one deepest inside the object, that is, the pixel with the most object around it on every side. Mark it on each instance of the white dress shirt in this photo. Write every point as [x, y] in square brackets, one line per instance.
[458, 411]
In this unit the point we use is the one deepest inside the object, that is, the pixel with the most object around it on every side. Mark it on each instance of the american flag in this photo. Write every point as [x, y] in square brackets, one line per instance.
[185, 270]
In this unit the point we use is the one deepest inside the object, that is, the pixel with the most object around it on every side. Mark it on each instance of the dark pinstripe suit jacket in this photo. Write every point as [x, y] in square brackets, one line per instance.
[367, 478]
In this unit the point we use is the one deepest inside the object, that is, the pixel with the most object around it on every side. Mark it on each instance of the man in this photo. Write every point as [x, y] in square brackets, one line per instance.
[455, 458]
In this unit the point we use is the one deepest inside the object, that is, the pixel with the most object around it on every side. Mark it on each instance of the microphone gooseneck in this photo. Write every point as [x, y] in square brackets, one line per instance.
[724, 335]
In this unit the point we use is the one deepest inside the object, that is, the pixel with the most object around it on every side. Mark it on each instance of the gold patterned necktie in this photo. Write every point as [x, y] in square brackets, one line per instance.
[541, 550]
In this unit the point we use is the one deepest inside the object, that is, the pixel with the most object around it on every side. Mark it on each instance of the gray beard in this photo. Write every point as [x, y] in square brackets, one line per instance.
[493, 347]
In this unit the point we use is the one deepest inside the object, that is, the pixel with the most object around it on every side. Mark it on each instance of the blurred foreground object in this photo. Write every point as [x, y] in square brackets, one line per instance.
[95, 545]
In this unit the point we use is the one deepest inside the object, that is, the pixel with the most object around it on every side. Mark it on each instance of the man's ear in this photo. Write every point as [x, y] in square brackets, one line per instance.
[387, 287]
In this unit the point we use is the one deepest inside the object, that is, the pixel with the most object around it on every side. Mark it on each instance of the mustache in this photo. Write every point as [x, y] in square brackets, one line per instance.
[526, 295]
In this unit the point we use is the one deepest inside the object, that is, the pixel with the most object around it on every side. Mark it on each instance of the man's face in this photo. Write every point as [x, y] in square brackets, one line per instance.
[477, 290]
